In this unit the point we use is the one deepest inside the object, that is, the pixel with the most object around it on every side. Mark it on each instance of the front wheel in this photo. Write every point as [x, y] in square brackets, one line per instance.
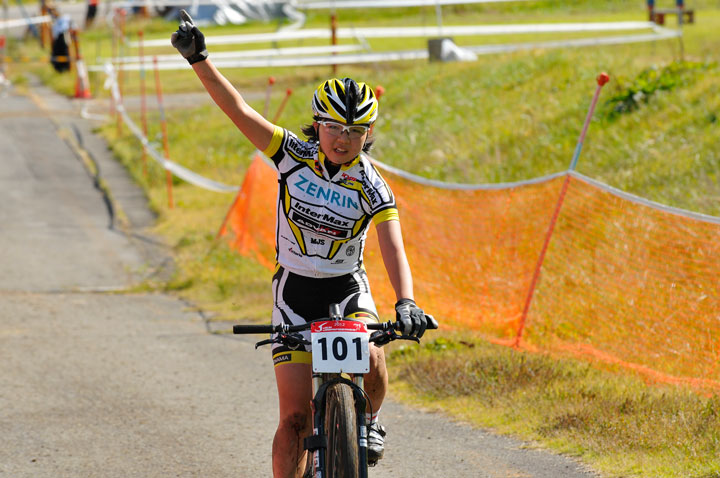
[341, 459]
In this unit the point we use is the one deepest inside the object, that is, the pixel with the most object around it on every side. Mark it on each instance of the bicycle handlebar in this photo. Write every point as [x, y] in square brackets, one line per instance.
[286, 329]
[253, 329]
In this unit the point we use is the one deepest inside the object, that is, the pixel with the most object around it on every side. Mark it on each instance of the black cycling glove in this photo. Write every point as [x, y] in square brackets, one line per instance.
[188, 40]
[413, 320]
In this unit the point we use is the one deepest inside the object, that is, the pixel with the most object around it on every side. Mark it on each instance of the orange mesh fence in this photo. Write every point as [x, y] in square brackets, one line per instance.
[472, 252]
[250, 222]
[633, 284]
[624, 281]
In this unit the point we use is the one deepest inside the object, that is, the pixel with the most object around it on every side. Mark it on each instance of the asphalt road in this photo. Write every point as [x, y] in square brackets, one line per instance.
[97, 382]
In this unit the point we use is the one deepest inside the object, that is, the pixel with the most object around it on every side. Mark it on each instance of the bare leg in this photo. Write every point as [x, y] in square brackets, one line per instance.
[294, 392]
[376, 381]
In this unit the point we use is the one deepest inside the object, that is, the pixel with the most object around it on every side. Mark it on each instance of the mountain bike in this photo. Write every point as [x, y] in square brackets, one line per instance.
[340, 358]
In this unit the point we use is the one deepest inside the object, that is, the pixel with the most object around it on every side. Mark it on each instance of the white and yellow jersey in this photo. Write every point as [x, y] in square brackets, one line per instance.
[322, 221]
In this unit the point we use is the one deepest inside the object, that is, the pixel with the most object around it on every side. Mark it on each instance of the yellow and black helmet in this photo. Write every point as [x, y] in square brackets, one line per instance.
[346, 101]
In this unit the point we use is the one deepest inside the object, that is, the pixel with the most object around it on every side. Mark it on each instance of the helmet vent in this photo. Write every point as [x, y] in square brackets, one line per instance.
[351, 99]
[345, 101]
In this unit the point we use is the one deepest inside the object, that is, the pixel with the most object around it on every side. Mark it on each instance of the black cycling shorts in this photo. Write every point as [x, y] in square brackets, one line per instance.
[299, 299]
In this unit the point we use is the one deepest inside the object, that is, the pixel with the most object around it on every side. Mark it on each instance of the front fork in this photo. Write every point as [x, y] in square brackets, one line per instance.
[317, 442]
[360, 404]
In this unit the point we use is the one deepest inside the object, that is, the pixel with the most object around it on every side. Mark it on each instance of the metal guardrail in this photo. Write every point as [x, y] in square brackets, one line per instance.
[276, 57]
[410, 32]
[340, 4]
[22, 22]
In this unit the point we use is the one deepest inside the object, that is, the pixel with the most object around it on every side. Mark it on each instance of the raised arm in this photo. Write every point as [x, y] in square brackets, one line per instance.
[190, 42]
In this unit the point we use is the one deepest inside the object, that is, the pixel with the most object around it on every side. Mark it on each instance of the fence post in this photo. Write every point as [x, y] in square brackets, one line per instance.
[268, 91]
[333, 36]
[602, 79]
[288, 92]
[2, 59]
[82, 81]
[114, 60]
[143, 107]
[121, 50]
[45, 33]
[163, 124]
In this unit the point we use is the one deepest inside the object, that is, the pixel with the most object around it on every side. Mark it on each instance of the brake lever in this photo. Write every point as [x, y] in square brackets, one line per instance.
[293, 340]
[382, 337]
[265, 342]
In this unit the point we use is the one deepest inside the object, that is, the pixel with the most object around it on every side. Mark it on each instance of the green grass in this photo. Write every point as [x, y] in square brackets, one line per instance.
[502, 118]
[615, 422]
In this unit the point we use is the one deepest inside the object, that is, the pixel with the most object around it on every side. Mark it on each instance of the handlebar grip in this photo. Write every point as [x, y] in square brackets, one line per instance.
[253, 329]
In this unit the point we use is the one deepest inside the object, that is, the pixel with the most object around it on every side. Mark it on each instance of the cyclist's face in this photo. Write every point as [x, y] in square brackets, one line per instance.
[342, 148]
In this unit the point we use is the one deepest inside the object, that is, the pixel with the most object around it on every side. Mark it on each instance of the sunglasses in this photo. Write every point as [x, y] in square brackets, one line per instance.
[336, 129]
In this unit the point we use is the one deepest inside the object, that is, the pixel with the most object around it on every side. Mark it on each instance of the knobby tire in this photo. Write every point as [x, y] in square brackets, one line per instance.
[341, 429]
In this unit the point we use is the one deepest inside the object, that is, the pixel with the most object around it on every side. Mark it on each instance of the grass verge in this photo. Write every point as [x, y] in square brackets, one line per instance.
[615, 422]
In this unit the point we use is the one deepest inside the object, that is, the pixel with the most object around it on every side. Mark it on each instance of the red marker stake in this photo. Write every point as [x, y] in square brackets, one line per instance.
[163, 124]
[282, 105]
[143, 105]
[602, 79]
[379, 91]
[268, 91]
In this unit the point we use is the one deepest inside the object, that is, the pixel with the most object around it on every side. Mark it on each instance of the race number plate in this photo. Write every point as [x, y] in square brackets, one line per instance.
[340, 346]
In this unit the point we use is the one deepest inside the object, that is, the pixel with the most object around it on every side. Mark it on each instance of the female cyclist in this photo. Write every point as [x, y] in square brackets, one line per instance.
[328, 195]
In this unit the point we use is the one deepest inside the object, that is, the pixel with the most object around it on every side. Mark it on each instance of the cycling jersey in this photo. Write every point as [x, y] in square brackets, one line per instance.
[322, 221]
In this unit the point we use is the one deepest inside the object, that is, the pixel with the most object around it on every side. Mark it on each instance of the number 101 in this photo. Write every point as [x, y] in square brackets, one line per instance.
[340, 348]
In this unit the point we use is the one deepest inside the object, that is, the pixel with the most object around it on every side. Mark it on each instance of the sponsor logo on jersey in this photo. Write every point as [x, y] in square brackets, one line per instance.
[324, 217]
[300, 148]
[326, 229]
[372, 195]
[320, 192]
[347, 180]
[290, 240]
